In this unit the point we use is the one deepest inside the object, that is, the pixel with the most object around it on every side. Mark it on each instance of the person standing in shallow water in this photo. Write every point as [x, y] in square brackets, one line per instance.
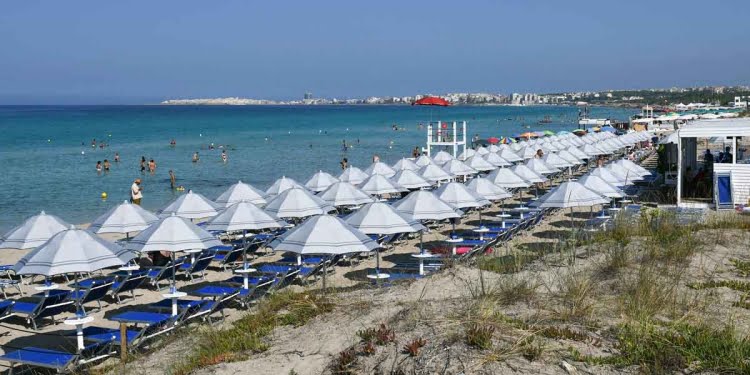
[152, 166]
[172, 179]
[143, 164]
[344, 163]
[195, 157]
[136, 192]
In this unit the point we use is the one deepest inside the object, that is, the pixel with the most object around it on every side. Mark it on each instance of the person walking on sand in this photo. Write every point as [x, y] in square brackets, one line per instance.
[136, 192]
[172, 179]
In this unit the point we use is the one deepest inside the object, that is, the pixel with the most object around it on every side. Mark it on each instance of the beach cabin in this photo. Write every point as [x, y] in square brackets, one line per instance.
[720, 179]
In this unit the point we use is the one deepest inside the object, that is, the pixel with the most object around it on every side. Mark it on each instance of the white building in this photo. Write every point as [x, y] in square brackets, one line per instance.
[741, 101]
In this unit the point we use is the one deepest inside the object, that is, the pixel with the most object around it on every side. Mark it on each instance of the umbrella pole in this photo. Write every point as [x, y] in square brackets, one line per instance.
[244, 249]
[421, 246]
[173, 288]
[325, 271]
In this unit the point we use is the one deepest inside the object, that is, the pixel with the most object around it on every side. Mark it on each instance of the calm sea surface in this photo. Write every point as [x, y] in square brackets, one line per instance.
[47, 161]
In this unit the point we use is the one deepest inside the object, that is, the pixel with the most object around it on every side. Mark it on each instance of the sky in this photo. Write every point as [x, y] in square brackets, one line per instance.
[142, 52]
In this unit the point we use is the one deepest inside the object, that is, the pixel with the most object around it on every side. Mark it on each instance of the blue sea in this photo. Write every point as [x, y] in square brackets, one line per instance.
[48, 163]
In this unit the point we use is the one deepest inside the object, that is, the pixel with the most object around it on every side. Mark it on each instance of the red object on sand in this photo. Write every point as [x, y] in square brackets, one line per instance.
[432, 100]
[493, 140]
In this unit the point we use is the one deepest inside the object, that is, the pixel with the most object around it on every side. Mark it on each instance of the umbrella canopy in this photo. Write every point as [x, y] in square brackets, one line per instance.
[477, 162]
[410, 179]
[556, 161]
[35, 231]
[633, 167]
[496, 160]
[623, 172]
[493, 148]
[460, 196]
[380, 168]
[243, 216]
[382, 218]
[72, 251]
[442, 157]
[191, 206]
[509, 155]
[592, 150]
[405, 163]
[241, 192]
[456, 167]
[528, 152]
[527, 174]
[486, 189]
[570, 194]
[324, 234]
[378, 185]
[297, 202]
[425, 205]
[569, 157]
[600, 186]
[540, 167]
[481, 150]
[432, 100]
[279, 186]
[578, 153]
[123, 218]
[320, 181]
[423, 160]
[344, 194]
[608, 176]
[507, 179]
[493, 141]
[466, 154]
[432, 172]
[353, 175]
[172, 233]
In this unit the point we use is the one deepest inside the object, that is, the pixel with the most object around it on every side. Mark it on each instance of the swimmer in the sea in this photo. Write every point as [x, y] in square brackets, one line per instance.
[143, 164]
[117, 157]
[172, 179]
[106, 165]
[224, 156]
[98, 166]
[195, 157]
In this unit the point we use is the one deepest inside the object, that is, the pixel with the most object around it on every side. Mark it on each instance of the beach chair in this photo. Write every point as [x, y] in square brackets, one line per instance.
[142, 327]
[219, 297]
[198, 267]
[95, 292]
[188, 309]
[156, 274]
[33, 358]
[40, 307]
[127, 284]
[286, 273]
[229, 258]
[259, 286]
[5, 284]
[5, 306]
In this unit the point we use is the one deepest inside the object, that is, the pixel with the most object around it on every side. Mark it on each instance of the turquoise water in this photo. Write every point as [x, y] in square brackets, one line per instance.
[44, 169]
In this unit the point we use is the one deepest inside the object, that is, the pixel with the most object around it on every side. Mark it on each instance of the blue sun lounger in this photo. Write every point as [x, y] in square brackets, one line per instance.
[60, 361]
[41, 306]
[95, 292]
[153, 325]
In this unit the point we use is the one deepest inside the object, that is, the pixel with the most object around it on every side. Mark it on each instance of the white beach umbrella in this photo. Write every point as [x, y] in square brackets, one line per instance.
[72, 251]
[493, 148]
[281, 185]
[432, 172]
[592, 150]
[477, 162]
[540, 167]
[528, 152]
[569, 157]
[410, 179]
[423, 160]
[506, 178]
[458, 168]
[570, 194]
[243, 216]
[343, 194]
[241, 192]
[623, 172]
[297, 202]
[123, 218]
[379, 185]
[380, 168]
[601, 186]
[324, 235]
[425, 205]
[528, 174]
[353, 175]
[509, 155]
[405, 163]
[485, 188]
[496, 160]
[610, 177]
[467, 153]
[460, 196]
[33, 232]
[442, 157]
[172, 233]
[320, 181]
[191, 206]
[556, 161]
[633, 167]
[481, 150]
[515, 147]
[575, 151]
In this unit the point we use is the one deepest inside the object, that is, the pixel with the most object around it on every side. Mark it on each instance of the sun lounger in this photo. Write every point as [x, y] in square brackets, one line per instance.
[39, 307]
[156, 274]
[227, 259]
[60, 361]
[5, 284]
[127, 283]
[95, 292]
[152, 324]
[198, 267]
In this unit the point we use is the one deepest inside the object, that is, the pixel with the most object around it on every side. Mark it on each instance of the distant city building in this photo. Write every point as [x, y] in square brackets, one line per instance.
[741, 101]
[308, 96]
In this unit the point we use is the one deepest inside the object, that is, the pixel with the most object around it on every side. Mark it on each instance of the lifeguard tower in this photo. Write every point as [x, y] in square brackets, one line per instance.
[450, 134]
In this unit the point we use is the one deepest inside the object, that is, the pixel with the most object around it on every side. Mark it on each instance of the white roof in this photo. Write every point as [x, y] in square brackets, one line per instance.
[716, 128]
